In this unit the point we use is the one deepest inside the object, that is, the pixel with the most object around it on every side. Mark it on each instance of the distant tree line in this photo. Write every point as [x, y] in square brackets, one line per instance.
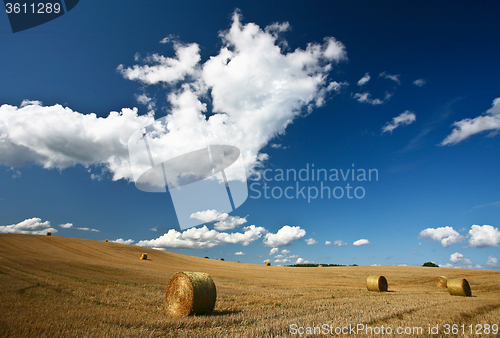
[310, 265]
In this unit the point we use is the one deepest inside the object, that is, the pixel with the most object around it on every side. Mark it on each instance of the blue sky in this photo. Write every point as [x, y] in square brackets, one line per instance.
[407, 90]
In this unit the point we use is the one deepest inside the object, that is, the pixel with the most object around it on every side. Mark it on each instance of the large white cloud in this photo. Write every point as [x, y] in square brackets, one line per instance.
[465, 128]
[446, 235]
[483, 236]
[203, 238]
[58, 137]
[256, 86]
[33, 226]
[285, 236]
[405, 118]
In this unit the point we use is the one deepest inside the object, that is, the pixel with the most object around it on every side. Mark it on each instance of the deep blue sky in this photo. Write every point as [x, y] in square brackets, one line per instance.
[452, 45]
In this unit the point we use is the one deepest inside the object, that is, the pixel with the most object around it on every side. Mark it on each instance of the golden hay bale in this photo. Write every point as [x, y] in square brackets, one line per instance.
[376, 283]
[459, 287]
[49, 233]
[106, 241]
[441, 281]
[268, 263]
[320, 266]
[190, 293]
[144, 256]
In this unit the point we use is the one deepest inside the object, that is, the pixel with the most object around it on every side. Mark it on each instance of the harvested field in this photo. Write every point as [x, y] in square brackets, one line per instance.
[54, 286]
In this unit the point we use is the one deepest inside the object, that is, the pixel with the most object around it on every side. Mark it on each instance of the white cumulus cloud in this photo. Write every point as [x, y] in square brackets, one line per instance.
[58, 137]
[239, 253]
[66, 225]
[33, 226]
[311, 241]
[203, 238]
[123, 241]
[446, 235]
[224, 221]
[465, 128]
[405, 118]
[285, 236]
[361, 242]
[255, 85]
[273, 251]
[483, 236]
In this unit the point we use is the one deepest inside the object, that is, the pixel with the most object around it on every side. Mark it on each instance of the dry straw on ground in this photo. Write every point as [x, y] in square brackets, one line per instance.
[441, 281]
[144, 256]
[49, 233]
[459, 287]
[190, 293]
[376, 283]
[268, 263]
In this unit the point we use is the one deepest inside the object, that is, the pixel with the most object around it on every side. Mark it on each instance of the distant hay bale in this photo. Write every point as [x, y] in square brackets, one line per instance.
[268, 263]
[221, 259]
[49, 233]
[144, 256]
[441, 281]
[320, 266]
[459, 287]
[106, 241]
[190, 293]
[376, 283]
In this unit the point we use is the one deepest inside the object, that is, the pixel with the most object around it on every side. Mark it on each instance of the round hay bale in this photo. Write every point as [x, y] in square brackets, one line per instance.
[106, 241]
[190, 293]
[376, 283]
[268, 263]
[144, 256]
[459, 287]
[320, 266]
[441, 281]
[49, 233]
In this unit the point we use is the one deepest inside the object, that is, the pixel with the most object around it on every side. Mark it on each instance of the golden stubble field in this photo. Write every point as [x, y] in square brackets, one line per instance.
[66, 287]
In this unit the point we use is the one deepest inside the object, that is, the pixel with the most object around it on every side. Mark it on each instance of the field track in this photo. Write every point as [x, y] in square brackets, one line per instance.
[67, 287]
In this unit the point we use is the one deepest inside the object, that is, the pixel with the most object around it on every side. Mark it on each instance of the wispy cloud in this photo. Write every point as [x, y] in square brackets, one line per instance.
[364, 80]
[419, 82]
[394, 78]
[405, 118]
[463, 129]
